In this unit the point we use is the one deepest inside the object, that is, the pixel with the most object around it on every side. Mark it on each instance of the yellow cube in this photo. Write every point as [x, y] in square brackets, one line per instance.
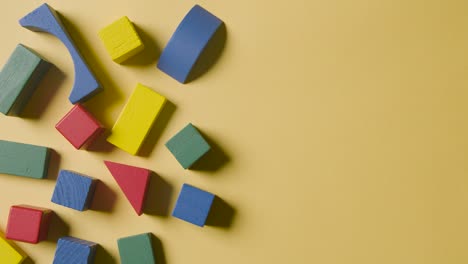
[8, 253]
[121, 40]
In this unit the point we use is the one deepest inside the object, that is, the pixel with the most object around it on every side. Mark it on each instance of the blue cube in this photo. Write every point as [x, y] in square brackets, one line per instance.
[193, 205]
[188, 146]
[74, 190]
[74, 250]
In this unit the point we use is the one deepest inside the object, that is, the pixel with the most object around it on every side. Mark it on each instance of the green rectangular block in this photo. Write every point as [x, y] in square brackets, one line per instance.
[19, 78]
[136, 249]
[23, 159]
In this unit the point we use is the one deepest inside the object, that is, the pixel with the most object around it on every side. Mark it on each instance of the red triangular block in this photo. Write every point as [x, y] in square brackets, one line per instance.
[133, 181]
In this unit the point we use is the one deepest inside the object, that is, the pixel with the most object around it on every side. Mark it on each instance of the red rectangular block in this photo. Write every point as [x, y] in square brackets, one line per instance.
[79, 127]
[28, 223]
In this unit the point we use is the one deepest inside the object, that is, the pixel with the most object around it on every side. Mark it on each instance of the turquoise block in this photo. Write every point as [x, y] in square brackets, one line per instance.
[23, 159]
[136, 249]
[188, 146]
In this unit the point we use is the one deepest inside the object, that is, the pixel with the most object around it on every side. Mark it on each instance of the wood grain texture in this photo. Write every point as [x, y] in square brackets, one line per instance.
[10, 253]
[193, 205]
[133, 181]
[188, 146]
[45, 19]
[74, 190]
[23, 159]
[74, 250]
[28, 223]
[136, 119]
[136, 249]
[19, 78]
[121, 40]
[188, 42]
[79, 126]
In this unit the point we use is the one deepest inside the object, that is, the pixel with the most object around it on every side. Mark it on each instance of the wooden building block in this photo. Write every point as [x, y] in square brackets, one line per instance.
[9, 253]
[28, 223]
[133, 181]
[121, 40]
[73, 250]
[23, 159]
[74, 190]
[19, 79]
[188, 146]
[136, 119]
[46, 19]
[136, 249]
[79, 127]
[193, 205]
[188, 42]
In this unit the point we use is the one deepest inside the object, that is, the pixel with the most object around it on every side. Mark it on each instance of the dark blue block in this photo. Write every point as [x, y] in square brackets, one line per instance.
[193, 205]
[188, 42]
[45, 19]
[72, 250]
[74, 190]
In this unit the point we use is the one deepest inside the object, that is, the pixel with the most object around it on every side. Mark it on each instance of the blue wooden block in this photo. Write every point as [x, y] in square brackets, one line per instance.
[188, 42]
[73, 250]
[193, 205]
[74, 190]
[45, 19]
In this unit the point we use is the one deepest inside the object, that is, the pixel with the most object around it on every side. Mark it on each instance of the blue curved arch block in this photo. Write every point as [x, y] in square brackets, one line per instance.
[45, 19]
[188, 42]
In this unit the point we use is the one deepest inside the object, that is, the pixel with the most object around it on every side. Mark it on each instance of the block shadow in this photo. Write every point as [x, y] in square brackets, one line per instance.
[222, 214]
[100, 144]
[44, 93]
[157, 130]
[58, 228]
[100, 104]
[103, 257]
[158, 249]
[214, 160]
[28, 260]
[159, 196]
[147, 56]
[210, 55]
[104, 198]
[54, 165]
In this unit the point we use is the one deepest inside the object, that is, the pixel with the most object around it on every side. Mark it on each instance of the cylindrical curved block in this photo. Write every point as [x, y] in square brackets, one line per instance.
[188, 42]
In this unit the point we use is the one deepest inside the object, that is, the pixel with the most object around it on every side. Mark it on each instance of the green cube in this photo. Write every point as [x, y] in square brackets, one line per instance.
[136, 249]
[188, 146]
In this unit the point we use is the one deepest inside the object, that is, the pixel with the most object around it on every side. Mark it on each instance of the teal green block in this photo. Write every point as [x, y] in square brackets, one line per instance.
[19, 79]
[23, 159]
[188, 146]
[136, 249]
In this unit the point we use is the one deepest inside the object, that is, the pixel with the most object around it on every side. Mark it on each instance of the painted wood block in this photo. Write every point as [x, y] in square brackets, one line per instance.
[74, 190]
[136, 119]
[136, 249]
[193, 205]
[19, 79]
[133, 181]
[188, 42]
[28, 223]
[46, 19]
[121, 40]
[9, 253]
[79, 127]
[24, 160]
[74, 250]
[188, 146]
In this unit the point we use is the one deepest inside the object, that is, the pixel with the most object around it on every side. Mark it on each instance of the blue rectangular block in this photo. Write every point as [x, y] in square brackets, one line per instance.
[193, 205]
[74, 190]
[73, 250]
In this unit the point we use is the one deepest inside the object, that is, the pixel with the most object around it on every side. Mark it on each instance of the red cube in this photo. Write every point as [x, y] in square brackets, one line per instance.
[28, 223]
[79, 127]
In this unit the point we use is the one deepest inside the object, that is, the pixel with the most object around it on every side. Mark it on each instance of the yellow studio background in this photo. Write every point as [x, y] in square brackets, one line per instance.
[343, 126]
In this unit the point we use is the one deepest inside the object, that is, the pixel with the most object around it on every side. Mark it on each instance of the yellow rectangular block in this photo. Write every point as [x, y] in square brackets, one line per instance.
[136, 119]
[121, 40]
[8, 253]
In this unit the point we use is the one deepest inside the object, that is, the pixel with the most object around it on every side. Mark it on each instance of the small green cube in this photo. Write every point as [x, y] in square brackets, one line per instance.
[136, 249]
[188, 146]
